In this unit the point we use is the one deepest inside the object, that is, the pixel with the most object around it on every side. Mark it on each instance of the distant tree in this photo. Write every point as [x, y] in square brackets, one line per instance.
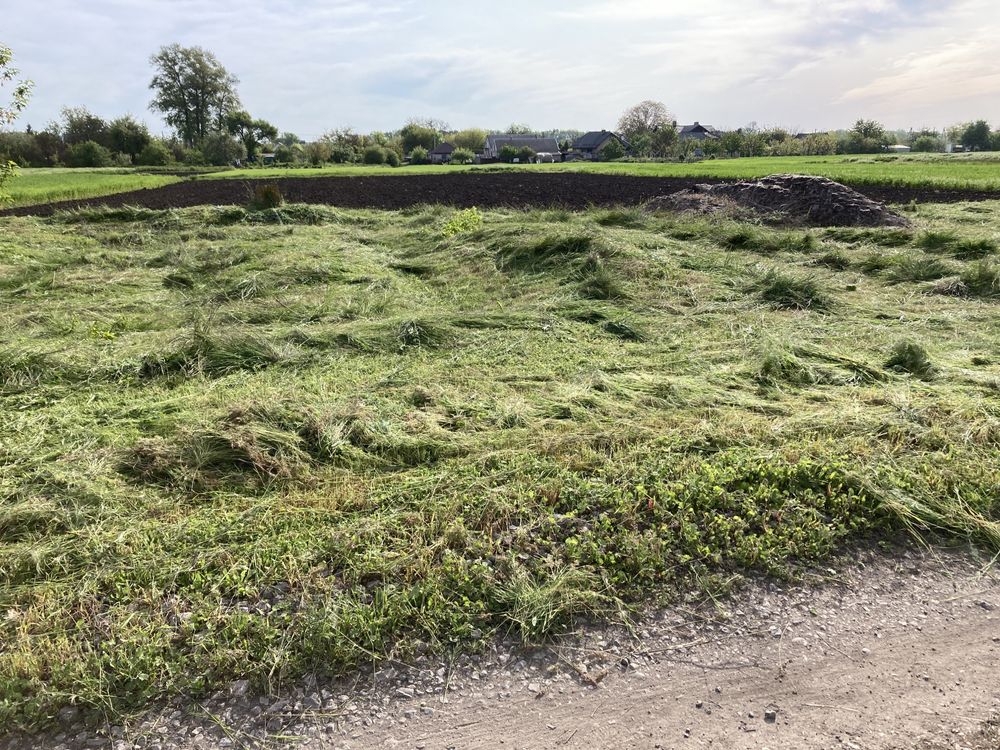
[866, 137]
[221, 149]
[413, 135]
[250, 132]
[754, 142]
[21, 148]
[473, 139]
[128, 136]
[927, 143]
[507, 153]
[661, 143]
[419, 155]
[374, 155]
[345, 145]
[289, 139]
[432, 123]
[88, 154]
[80, 125]
[787, 146]
[819, 144]
[155, 154]
[995, 141]
[392, 158]
[462, 156]
[518, 128]
[192, 90]
[731, 142]
[976, 136]
[525, 154]
[612, 150]
[318, 152]
[645, 118]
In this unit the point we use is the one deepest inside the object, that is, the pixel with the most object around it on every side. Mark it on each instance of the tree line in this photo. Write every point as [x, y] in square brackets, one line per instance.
[198, 98]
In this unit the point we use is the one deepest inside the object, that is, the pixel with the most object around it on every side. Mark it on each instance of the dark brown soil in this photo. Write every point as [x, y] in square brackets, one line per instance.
[565, 190]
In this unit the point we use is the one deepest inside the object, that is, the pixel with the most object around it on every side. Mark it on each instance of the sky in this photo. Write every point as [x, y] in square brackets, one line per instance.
[312, 65]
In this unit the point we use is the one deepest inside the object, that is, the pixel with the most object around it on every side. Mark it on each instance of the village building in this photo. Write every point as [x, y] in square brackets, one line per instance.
[698, 132]
[546, 149]
[441, 154]
[590, 145]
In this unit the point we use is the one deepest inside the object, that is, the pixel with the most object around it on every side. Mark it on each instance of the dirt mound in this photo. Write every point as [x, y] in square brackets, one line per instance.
[785, 199]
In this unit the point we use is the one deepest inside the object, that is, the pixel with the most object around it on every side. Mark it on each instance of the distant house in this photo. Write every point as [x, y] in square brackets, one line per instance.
[441, 153]
[698, 132]
[546, 149]
[590, 145]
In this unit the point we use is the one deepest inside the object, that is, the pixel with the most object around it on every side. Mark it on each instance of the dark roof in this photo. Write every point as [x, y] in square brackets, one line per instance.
[593, 139]
[443, 148]
[536, 144]
[697, 127]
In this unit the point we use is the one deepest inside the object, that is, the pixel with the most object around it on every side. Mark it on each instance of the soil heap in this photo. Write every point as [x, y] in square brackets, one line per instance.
[789, 199]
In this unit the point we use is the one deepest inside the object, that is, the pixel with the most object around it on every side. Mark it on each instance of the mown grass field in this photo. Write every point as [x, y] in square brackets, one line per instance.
[259, 444]
[958, 171]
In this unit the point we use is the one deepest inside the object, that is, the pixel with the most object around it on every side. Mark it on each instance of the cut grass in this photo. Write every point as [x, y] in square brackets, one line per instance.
[255, 445]
[791, 291]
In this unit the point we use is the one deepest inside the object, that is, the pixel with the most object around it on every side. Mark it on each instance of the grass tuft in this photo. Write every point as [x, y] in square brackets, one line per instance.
[786, 291]
[912, 358]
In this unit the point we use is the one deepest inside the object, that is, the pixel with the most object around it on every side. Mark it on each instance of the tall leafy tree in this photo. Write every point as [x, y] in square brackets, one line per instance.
[976, 136]
[10, 109]
[645, 118]
[192, 90]
[414, 134]
[128, 136]
[80, 125]
[250, 132]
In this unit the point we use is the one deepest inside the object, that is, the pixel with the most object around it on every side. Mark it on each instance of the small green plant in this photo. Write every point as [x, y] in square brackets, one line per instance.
[911, 357]
[835, 260]
[266, 196]
[969, 249]
[910, 268]
[982, 279]
[463, 222]
[784, 291]
[462, 156]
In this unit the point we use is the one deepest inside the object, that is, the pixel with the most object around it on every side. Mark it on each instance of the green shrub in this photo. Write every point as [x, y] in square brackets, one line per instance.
[462, 222]
[525, 155]
[391, 158]
[374, 155]
[508, 153]
[221, 149]
[419, 155]
[88, 154]
[462, 156]
[155, 154]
